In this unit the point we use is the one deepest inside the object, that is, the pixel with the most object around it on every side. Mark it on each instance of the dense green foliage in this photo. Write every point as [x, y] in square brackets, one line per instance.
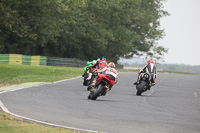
[84, 29]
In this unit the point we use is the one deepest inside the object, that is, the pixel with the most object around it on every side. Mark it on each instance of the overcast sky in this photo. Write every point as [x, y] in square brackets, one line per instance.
[182, 29]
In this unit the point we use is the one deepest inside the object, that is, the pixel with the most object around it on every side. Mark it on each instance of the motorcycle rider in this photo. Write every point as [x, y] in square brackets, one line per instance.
[112, 72]
[100, 65]
[109, 69]
[89, 64]
[150, 67]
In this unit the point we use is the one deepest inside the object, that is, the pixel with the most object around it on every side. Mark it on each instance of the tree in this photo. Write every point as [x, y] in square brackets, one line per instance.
[84, 29]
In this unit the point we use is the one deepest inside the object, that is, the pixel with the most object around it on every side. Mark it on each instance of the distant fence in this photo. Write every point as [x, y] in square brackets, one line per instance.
[43, 60]
[71, 62]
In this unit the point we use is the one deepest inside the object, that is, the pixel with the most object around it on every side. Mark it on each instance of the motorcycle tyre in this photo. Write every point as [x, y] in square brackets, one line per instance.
[97, 92]
[140, 88]
[85, 82]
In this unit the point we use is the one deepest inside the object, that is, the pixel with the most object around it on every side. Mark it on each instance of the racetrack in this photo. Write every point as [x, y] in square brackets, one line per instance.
[172, 106]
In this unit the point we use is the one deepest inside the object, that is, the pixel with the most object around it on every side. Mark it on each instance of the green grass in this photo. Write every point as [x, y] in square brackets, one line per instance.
[9, 124]
[16, 74]
[179, 72]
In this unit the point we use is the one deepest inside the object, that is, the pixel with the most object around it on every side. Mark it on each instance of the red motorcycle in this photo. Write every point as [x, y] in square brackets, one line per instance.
[102, 86]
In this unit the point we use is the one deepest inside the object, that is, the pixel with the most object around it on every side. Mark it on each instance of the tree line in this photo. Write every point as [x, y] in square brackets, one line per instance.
[83, 29]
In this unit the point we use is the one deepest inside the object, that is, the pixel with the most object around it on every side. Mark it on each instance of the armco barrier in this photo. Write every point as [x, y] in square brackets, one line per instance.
[22, 59]
[4, 58]
[26, 59]
[43, 60]
[15, 59]
[35, 60]
[71, 62]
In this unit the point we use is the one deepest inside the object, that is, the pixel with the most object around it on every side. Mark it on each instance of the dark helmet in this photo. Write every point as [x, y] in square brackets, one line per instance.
[102, 58]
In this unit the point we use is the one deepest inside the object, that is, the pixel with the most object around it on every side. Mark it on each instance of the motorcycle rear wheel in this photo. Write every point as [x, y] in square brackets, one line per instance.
[97, 92]
[85, 82]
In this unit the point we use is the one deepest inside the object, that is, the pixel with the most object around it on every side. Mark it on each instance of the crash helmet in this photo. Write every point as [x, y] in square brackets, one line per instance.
[102, 58]
[150, 61]
[111, 64]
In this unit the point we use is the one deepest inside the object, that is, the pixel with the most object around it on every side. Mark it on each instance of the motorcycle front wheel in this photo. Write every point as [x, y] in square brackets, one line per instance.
[85, 82]
[140, 88]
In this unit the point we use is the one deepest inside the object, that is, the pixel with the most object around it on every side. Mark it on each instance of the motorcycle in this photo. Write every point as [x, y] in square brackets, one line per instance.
[87, 82]
[144, 83]
[85, 76]
[101, 87]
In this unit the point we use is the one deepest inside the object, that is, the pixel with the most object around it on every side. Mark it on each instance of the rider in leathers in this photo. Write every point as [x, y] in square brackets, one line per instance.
[112, 72]
[89, 65]
[150, 67]
[100, 65]
[108, 70]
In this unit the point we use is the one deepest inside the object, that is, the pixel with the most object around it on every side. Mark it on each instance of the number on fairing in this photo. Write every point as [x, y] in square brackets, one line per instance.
[114, 71]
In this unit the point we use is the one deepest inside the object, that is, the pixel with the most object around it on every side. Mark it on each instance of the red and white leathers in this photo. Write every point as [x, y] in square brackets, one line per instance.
[112, 72]
[150, 68]
[101, 66]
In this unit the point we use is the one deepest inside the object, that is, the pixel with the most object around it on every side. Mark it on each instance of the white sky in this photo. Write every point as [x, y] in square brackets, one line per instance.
[182, 29]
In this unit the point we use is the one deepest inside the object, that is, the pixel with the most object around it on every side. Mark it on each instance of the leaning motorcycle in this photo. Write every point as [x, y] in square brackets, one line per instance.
[87, 82]
[85, 76]
[101, 87]
[144, 83]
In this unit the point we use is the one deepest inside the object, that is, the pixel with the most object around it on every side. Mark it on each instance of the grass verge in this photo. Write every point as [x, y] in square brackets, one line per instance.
[10, 124]
[17, 74]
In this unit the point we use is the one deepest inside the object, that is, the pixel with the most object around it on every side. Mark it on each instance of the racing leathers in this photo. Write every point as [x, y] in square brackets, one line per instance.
[112, 72]
[100, 65]
[88, 67]
[150, 68]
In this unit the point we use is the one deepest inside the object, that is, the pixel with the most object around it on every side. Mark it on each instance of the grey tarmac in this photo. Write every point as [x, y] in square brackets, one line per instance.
[171, 106]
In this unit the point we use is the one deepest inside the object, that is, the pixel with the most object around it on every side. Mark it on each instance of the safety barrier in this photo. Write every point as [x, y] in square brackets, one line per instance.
[43, 60]
[71, 62]
[4, 58]
[22, 59]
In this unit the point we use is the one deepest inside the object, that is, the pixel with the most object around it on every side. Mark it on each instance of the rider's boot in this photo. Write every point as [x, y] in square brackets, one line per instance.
[136, 83]
[89, 77]
[92, 85]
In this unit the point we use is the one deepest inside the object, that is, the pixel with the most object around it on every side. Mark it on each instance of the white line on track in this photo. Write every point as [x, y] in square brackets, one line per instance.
[41, 122]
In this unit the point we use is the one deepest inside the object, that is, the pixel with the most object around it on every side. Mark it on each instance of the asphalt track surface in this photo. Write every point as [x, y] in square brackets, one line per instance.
[172, 106]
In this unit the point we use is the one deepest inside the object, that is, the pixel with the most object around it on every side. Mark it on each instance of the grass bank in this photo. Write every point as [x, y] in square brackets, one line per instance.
[10, 124]
[17, 74]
